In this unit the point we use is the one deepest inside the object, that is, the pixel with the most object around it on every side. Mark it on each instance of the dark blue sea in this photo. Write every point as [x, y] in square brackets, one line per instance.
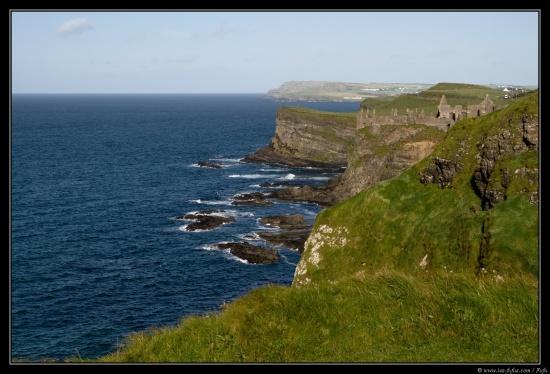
[97, 182]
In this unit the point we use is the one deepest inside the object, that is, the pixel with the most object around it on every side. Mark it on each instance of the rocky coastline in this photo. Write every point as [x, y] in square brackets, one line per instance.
[374, 154]
[364, 156]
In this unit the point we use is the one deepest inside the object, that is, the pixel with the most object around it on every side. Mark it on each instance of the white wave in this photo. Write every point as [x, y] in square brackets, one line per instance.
[184, 228]
[273, 169]
[211, 247]
[226, 252]
[249, 176]
[230, 256]
[289, 176]
[309, 212]
[211, 202]
[233, 160]
[285, 260]
[250, 236]
[266, 226]
[230, 213]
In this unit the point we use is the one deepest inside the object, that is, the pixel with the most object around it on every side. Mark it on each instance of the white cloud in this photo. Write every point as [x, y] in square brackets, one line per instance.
[74, 26]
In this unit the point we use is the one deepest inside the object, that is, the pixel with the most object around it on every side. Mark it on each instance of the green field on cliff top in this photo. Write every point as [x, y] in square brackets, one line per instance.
[346, 91]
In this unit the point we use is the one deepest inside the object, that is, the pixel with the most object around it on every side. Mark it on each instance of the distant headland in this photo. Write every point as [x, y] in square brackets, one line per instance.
[348, 91]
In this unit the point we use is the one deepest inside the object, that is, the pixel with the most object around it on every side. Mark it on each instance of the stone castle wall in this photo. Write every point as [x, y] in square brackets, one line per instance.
[445, 117]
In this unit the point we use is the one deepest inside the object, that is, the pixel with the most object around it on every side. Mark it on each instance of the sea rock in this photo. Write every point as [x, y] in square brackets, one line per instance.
[278, 184]
[286, 221]
[322, 195]
[251, 199]
[205, 220]
[251, 253]
[293, 239]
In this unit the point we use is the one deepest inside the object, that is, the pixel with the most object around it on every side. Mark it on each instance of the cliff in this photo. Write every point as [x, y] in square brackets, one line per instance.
[309, 138]
[377, 154]
[380, 147]
[471, 206]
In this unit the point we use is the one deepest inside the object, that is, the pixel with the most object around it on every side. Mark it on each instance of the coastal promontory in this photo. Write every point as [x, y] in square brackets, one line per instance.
[309, 138]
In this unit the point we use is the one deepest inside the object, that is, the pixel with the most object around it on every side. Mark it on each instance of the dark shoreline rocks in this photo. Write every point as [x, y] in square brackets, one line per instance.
[205, 220]
[286, 221]
[252, 253]
[212, 165]
[251, 199]
[278, 185]
[322, 195]
[292, 234]
[293, 239]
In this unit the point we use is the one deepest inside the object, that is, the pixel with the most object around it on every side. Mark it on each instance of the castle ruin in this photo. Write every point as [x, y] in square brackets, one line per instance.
[446, 115]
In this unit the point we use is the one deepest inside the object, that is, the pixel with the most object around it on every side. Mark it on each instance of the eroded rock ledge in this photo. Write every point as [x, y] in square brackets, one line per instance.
[252, 253]
[308, 138]
[206, 220]
[292, 233]
[286, 221]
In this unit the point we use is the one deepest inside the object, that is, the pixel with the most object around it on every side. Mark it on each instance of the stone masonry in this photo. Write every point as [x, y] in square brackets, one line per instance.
[446, 115]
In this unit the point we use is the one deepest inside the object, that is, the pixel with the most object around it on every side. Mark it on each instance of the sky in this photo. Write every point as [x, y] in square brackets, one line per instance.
[188, 51]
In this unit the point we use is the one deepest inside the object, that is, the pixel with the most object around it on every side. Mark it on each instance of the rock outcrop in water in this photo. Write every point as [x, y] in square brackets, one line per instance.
[206, 220]
[286, 221]
[206, 164]
[294, 231]
[252, 253]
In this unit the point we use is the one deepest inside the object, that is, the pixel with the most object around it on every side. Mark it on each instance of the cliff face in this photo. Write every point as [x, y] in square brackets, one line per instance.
[378, 153]
[471, 206]
[309, 138]
[383, 153]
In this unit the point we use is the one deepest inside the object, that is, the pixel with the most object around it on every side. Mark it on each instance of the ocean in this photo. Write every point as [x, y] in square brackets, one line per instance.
[97, 184]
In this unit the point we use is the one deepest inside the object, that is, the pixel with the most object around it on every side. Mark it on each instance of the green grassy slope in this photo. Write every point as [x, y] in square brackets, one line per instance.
[401, 223]
[385, 316]
[307, 114]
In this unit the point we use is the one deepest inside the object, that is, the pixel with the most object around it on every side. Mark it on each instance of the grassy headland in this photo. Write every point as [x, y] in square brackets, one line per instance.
[401, 272]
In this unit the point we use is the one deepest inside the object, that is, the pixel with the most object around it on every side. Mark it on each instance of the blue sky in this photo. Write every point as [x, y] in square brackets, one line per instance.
[254, 51]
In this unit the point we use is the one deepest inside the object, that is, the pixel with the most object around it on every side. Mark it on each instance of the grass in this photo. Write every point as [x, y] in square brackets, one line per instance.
[346, 119]
[385, 316]
[428, 100]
